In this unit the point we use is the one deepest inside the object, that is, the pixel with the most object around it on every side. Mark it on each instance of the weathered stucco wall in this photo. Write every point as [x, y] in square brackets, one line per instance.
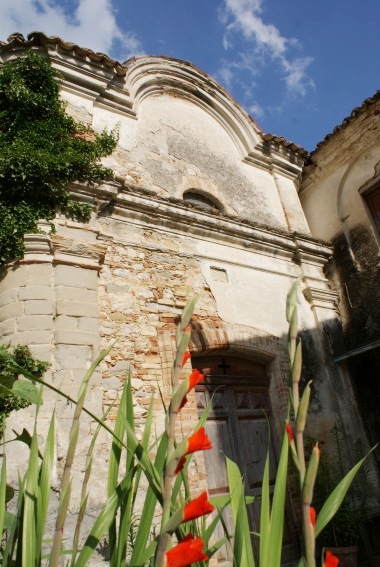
[129, 272]
[333, 194]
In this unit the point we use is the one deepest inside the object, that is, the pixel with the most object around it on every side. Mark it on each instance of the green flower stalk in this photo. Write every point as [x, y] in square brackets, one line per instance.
[176, 453]
[307, 514]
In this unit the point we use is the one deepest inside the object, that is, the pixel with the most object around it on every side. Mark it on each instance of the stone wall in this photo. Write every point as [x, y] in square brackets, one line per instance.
[128, 273]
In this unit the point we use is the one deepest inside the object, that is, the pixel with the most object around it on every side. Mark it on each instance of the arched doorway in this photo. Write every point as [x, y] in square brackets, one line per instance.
[238, 428]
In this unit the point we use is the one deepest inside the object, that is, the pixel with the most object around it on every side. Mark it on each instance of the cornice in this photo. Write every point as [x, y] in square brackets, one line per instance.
[271, 156]
[323, 298]
[131, 204]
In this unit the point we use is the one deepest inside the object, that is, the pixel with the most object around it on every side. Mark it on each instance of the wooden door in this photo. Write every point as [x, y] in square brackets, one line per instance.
[238, 428]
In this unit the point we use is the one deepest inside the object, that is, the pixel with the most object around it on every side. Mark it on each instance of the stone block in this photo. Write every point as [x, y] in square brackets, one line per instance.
[111, 383]
[31, 338]
[38, 307]
[36, 292]
[40, 274]
[72, 276]
[7, 327]
[11, 310]
[66, 323]
[77, 338]
[9, 296]
[72, 357]
[88, 324]
[75, 294]
[14, 278]
[34, 322]
[42, 352]
[77, 308]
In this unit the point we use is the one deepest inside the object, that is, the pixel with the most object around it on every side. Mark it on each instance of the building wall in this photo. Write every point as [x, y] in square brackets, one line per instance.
[333, 194]
[129, 272]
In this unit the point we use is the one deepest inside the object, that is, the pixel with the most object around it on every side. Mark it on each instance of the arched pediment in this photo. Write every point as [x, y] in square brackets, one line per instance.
[151, 76]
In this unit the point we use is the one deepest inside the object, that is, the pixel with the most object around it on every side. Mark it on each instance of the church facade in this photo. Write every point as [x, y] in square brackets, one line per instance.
[202, 201]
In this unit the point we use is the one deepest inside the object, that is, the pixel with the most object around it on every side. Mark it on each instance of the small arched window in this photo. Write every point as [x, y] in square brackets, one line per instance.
[200, 200]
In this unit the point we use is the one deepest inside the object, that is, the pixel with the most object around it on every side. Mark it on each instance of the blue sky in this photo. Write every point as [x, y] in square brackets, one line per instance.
[299, 67]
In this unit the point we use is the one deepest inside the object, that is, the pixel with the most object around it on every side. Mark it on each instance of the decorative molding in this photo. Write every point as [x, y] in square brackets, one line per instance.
[325, 298]
[80, 253]
[38, 249]
[133, 204]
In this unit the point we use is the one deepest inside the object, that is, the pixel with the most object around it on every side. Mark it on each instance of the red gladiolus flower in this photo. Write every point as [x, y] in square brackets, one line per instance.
[181, 464]
[193, 380]
[331, 560]
[186, 552]
[198, 507]
[195, 377]
[186, 357]
[313, 516]
[197, 442]
[289, 431]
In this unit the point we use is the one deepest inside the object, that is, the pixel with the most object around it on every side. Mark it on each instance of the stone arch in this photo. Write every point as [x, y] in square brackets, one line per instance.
[351, 209]
[202, 198]
[252, 344]
[357, 174]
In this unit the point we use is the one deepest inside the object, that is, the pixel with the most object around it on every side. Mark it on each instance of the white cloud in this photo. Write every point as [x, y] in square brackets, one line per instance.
[296, 79]
[256, 110]
[91, 23]
[262, 42]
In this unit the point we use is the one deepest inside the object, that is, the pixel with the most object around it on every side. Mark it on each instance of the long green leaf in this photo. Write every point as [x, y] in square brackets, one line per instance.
[84, 491]
[9, 520]
[333, 502]
[73, 440]
[265, 517]
[149, 507]
[114, 467]
[44, 485]
[104, 520]
[278, 507]
[29, 519]
[125, 523]
[16, 529]
[243, 554]
[210, 551]
[3, 488]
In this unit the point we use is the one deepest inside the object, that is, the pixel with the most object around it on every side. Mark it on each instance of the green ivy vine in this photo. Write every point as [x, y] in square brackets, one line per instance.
[42, 150]
[22, 356]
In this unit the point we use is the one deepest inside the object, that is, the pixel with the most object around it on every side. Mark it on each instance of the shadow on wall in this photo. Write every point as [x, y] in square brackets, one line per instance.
[239, 383]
